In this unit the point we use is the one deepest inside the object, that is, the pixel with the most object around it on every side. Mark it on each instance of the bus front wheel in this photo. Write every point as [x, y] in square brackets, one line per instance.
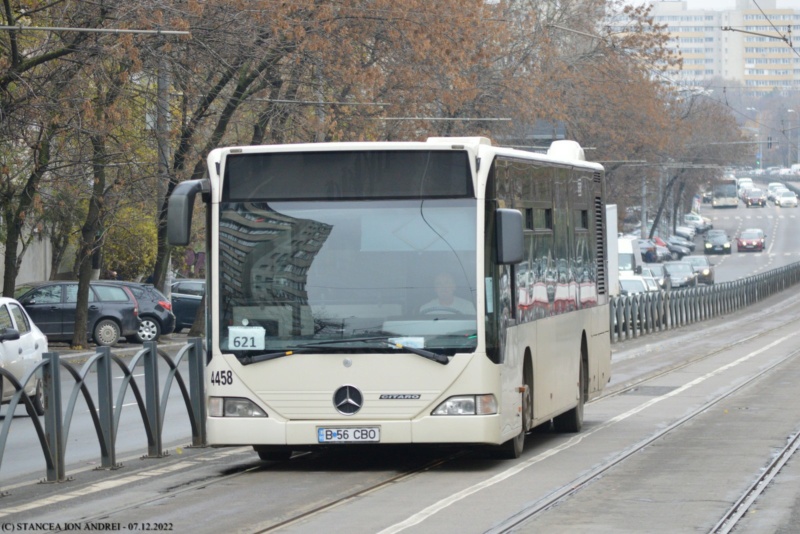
[272, 453]
[572, 420]
[512, 448]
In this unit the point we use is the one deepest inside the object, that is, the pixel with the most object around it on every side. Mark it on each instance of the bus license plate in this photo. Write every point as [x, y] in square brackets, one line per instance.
[369, 434]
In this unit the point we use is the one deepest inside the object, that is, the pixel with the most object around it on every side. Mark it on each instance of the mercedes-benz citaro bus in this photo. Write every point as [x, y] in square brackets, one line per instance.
[439, 292]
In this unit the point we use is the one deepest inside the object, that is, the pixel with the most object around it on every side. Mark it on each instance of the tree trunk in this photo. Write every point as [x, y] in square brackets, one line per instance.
[89, 240]
[16, 212]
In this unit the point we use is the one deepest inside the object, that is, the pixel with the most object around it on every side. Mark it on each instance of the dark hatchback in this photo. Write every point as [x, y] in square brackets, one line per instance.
[717, 242]
[680, 274]
[155, 311]
[187, 295]
[113, 310]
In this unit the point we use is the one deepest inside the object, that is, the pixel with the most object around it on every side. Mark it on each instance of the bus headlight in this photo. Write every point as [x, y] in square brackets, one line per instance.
[233, 407]
[468, 405]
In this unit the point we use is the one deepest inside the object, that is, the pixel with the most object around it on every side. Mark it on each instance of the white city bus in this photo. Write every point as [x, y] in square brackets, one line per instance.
[439, 292]
[724, 194]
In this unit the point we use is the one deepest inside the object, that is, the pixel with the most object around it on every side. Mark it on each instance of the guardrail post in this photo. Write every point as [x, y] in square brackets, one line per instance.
[105, 408]
[53, 422]
[197, 386]
[152, 396]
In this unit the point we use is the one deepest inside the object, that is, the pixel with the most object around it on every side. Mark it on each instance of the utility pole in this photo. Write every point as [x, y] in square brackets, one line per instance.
[645, 233]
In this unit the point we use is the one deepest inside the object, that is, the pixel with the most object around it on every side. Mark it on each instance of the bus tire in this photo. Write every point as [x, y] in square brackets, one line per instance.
[527, 395]
[272, 454]
[512, 449]
[572, 420]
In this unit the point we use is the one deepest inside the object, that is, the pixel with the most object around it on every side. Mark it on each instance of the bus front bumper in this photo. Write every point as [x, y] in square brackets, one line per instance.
[230, 431]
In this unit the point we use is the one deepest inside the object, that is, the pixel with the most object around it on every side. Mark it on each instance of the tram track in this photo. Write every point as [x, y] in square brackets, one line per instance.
[243, 470]
[731, 519]
[577, 484]
[554, 498]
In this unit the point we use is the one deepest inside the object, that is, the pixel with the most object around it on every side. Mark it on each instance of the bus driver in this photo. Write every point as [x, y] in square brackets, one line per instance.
[446, 299]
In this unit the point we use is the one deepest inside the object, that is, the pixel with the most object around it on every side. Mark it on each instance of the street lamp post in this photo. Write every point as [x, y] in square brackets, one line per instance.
[758, 139]
[798, 136]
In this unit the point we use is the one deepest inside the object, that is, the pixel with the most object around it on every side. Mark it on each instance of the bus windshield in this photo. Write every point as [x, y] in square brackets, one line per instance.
[725, 191]
[351, 276]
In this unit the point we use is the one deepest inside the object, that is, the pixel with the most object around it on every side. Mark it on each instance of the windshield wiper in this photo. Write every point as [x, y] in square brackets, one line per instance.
[435, 356]
[247, 360]
[387, 340]
[310, 347]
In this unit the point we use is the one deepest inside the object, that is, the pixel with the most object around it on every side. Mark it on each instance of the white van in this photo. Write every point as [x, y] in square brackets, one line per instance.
[630, 255]
[742, 184]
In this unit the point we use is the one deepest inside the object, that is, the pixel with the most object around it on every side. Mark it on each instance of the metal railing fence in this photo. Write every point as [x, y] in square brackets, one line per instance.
[53, 431]
[632, 316]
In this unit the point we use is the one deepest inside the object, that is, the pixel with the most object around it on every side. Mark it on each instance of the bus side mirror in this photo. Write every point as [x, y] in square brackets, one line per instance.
[510, 241]
[179, 210]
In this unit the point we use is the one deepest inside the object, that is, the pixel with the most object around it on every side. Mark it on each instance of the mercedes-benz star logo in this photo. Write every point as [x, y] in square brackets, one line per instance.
[348, 400]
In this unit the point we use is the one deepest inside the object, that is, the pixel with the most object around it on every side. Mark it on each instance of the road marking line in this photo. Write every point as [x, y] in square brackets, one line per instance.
[435, 508]
[115, 483]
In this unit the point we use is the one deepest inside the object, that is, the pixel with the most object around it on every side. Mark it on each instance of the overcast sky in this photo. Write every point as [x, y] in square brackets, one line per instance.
[721, 5]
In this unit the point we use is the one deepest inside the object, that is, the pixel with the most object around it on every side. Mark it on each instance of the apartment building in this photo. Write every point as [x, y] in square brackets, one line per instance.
[746, 44]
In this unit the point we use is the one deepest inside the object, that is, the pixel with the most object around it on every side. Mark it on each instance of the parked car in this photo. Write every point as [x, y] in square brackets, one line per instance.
[678, 240]
[702, 267]
[656, 271]
[786, 199]
[752, 239]
[632, 284]
[717, 242]
[187, 294]
[700, 223]
[680, 273]
[686, 232]
[674, 251]
[113, 310]
[755, 197]
[22, 345]
[155, 312]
